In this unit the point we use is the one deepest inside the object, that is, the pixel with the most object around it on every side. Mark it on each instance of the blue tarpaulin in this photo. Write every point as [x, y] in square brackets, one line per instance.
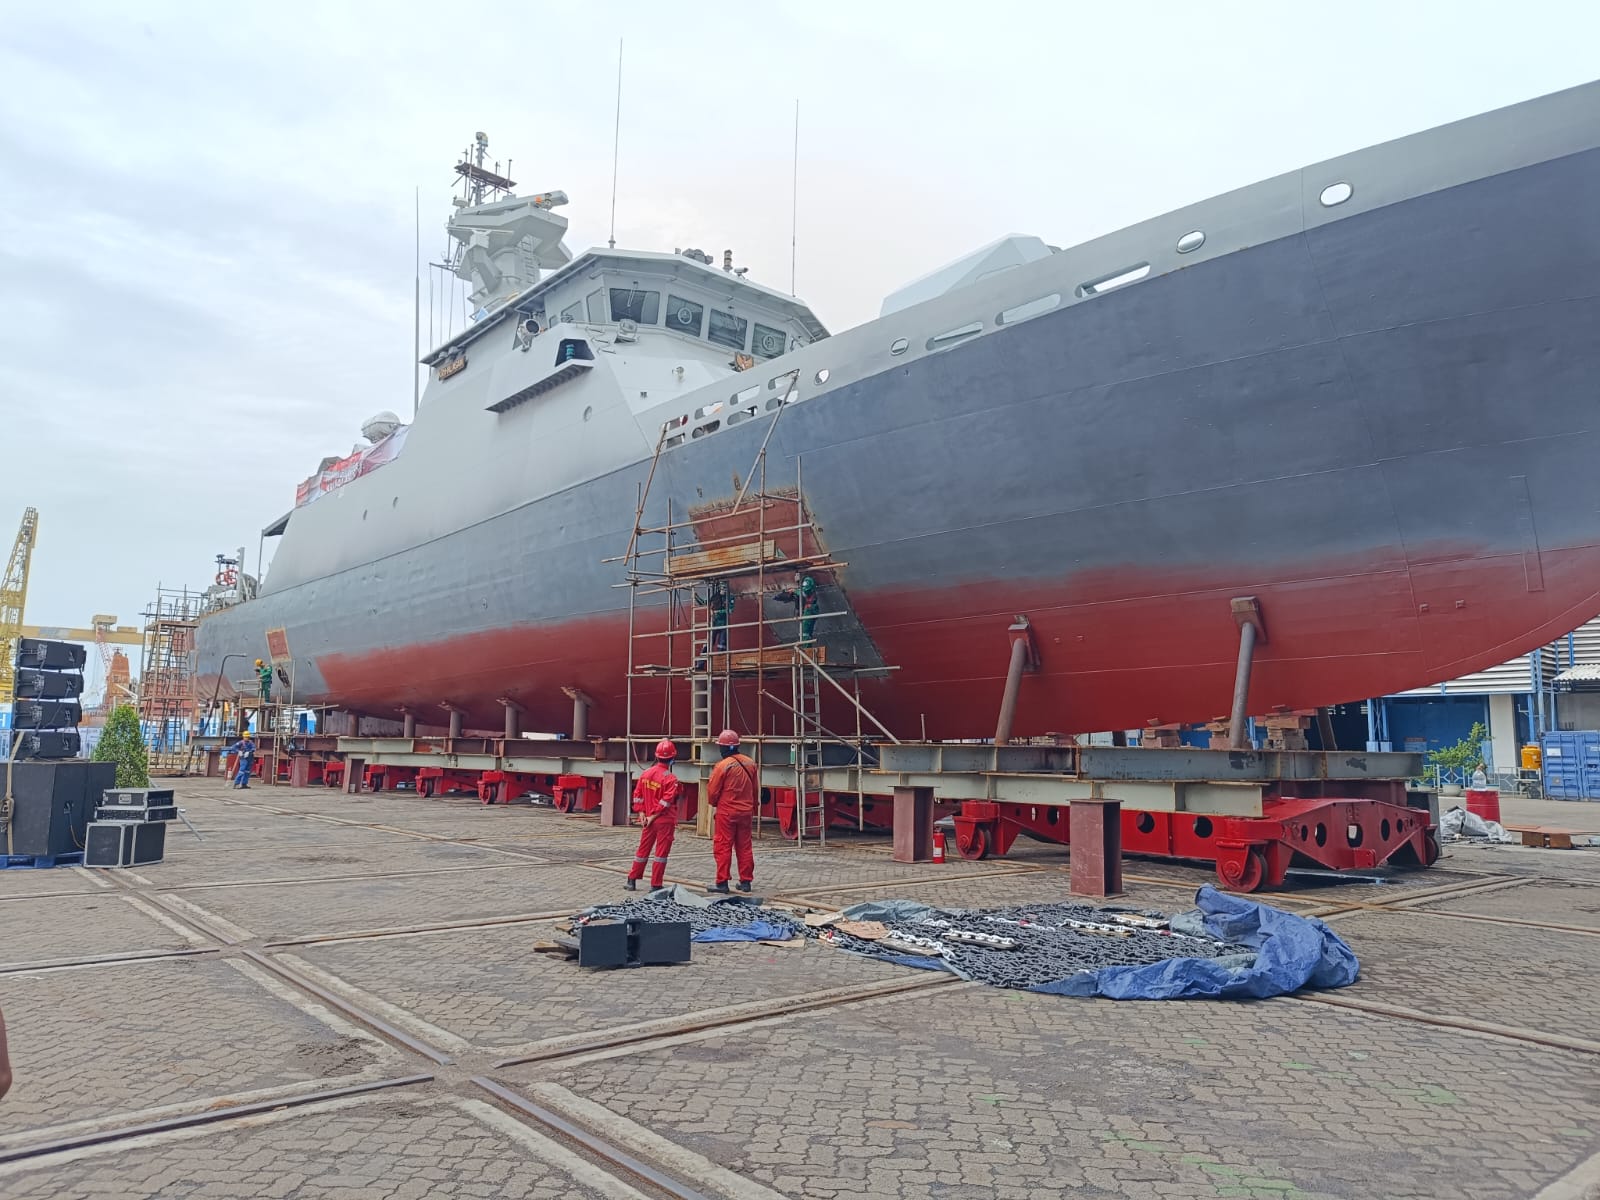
[1291, 953]
[756, 931]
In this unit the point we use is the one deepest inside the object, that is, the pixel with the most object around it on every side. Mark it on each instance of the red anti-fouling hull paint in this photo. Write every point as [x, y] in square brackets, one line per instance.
[1117, 650]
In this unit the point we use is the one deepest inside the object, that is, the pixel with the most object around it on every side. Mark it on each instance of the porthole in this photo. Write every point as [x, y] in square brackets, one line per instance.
[1191, 241]
[588, 412]
[822, 375]
[900, 345]
[1336, 193]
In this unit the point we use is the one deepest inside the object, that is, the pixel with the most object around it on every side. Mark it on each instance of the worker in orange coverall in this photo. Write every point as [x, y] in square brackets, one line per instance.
[655, 799]
[732, 793]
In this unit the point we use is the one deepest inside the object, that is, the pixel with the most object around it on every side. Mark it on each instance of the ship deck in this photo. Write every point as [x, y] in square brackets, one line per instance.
[336, 995]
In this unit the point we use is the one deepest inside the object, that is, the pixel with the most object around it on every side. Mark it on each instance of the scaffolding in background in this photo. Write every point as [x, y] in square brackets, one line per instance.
[745, 553]
[166, 675]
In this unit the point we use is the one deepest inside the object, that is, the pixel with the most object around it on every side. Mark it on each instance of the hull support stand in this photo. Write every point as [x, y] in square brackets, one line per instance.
[1024, 657]
[513, 718]
[1252, 629]
[580, 714]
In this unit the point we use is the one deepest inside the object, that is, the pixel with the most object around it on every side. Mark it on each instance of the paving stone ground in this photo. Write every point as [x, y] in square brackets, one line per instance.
[491, 989]
[877, 1082]
[988, 1093]
[382, 1149]
[1510, 975]
[100, 923]
[1549, 901]
[146, 1037]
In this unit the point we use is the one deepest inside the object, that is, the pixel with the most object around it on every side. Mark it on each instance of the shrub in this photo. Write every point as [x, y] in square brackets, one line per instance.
[1465, 754]
[122, 742]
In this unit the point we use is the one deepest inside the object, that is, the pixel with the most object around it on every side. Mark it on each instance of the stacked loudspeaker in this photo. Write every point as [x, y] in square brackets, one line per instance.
[53, 791]
[47, 709]
[129, 828]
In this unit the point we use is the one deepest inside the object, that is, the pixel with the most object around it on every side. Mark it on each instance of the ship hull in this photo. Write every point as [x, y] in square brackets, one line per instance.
[1382, 428]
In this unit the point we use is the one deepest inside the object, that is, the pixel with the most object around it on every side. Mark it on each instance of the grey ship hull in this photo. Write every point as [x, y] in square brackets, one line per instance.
[1383, 426]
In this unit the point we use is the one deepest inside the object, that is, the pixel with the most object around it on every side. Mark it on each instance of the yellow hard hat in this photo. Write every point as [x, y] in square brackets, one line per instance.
[258, 662]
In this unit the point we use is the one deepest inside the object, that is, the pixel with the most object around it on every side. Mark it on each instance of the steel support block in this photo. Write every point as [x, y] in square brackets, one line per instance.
[913, 824]
[455, 723]
[614, 798]
[408, 724]
[1095, 833]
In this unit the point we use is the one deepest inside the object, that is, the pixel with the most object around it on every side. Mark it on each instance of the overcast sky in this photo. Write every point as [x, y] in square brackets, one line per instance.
[206, 211]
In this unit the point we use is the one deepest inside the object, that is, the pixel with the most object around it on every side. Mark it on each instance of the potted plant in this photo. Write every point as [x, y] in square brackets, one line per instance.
[1456, 762]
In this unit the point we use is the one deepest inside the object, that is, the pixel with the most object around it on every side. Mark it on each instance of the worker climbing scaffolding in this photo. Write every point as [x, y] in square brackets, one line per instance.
[264, 674]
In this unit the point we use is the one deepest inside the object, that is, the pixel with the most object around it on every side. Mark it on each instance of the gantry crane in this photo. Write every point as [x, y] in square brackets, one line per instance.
[104, 632]
[13, 595]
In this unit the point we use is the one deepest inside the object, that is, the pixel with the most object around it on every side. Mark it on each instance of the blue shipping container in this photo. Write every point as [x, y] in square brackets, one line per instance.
[1571, 764]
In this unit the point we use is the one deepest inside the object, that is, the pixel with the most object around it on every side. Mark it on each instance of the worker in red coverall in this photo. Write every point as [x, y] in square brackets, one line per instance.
[732, 793]
[655, 799]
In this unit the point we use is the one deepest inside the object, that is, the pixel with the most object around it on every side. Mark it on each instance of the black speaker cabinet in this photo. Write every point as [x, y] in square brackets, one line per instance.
[54, 800]
[604, 945]
[46, 743]
[633, 943]
[45, 714]
[662, 942]
[53, 656]
[123, 844]
[48, 685]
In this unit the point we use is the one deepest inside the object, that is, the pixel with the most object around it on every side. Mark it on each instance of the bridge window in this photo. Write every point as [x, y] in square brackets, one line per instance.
[597, 306]
[769, 342]
[573, 313]
[685, 316]
[630, 304]
[727, 329]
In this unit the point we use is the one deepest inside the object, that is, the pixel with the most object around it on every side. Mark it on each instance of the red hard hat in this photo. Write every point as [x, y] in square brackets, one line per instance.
[727, 738]
[665, 749]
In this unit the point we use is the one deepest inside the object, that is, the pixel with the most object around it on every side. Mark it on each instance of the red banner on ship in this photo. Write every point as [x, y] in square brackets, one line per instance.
[362, 462]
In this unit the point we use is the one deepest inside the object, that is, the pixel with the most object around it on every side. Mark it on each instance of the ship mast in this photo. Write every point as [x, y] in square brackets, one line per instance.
[501, 243]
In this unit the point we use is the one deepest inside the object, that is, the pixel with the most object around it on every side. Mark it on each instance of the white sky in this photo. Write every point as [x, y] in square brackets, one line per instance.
[206, 212]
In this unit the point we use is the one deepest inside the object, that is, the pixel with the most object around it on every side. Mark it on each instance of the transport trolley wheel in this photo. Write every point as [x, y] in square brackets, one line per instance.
[975, 845]
[1246, 876]
[1433, 850]
[565, 800]
[426, 786]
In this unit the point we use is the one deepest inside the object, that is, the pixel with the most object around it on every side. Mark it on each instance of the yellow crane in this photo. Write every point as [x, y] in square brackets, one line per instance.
[13, 595]
[102, 630]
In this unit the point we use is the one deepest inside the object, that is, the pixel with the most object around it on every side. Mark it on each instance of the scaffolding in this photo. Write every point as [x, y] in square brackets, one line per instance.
[166, 675]
[687, 579]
